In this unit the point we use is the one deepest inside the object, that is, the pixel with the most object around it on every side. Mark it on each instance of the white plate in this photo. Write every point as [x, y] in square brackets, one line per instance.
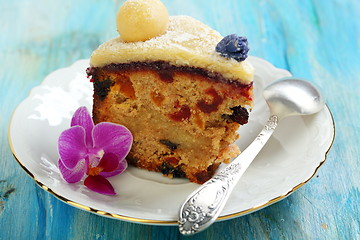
[290, 159]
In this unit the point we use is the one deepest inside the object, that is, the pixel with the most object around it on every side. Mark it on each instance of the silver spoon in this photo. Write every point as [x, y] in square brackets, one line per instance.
[285, 97]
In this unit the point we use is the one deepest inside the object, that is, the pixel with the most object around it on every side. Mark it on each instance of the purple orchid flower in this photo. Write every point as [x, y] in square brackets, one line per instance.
[97, 151]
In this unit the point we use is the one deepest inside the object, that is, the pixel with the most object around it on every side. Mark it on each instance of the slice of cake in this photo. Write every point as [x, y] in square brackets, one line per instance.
[179, 87]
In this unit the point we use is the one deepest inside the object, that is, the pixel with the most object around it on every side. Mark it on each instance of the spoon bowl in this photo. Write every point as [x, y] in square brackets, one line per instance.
[292, 96]
[285, 97]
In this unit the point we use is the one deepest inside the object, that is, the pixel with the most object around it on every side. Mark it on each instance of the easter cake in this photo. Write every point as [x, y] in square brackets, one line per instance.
[180, 87]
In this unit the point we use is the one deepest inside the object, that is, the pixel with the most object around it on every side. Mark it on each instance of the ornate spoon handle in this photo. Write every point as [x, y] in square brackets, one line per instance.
[205, 204]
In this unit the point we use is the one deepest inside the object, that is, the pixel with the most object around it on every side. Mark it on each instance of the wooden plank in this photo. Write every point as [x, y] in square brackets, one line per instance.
[317, 40]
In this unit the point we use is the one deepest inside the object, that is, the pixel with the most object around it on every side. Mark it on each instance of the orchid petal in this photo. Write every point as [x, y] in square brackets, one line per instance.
[99, 184]
[82, 118]
[73, 175]
[72, 146]
[113, 138]
[120, 168]
[109, 162]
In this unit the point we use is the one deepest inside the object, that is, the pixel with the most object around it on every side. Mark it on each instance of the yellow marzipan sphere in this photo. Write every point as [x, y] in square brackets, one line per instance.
[140, 20]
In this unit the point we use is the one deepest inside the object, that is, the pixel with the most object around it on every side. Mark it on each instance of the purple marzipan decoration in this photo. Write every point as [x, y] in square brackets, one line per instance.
[97, 151]
[233, 46]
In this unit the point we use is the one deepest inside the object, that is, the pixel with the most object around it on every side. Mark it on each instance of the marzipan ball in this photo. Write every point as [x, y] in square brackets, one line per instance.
[140, 20]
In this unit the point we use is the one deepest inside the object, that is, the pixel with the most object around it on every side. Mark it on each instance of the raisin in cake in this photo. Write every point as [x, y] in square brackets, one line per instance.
[182, 100]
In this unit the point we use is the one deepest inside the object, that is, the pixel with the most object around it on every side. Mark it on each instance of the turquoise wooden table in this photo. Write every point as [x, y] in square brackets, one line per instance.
[318, 40]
